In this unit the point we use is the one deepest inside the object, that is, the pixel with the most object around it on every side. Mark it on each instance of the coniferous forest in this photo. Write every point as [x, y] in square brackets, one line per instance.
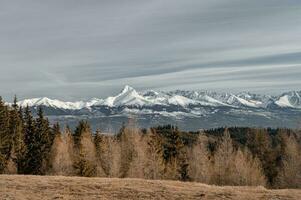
[224, 156]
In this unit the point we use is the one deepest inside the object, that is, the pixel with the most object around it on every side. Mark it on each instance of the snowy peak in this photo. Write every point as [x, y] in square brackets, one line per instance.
[44, 101]
[127, 89]
[128, 96]
[290, 99]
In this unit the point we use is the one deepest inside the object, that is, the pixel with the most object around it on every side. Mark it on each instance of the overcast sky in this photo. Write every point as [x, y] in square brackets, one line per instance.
[72, 49]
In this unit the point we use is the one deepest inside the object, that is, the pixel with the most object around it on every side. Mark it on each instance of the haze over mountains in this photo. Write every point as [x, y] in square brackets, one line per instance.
[187, 109]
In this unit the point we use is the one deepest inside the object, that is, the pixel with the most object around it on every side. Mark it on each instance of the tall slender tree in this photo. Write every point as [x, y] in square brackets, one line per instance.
[17, 131]
[43, 140]
[31, 162]
[5, 136]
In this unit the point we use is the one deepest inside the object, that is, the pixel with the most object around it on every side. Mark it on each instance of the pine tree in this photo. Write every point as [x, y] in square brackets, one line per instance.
[15, 104]
[56, 130]
[43, 140]
[5, 136]
[171, 151]
[31, 162]
[83, 127]
[16, 129]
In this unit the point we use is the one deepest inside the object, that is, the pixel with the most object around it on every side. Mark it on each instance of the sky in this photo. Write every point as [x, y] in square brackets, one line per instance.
[76, 50]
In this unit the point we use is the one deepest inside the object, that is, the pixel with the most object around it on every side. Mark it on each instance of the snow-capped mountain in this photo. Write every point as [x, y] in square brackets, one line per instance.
[130, 97]
[52, 103]
[190, 108]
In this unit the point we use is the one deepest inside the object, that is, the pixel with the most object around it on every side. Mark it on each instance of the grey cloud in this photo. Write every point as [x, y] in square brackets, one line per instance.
[76, 50]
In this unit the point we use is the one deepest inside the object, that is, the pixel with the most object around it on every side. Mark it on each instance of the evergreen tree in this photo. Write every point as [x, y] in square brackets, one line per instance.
[171, 145]
[31, 162]
[83, 127]
[16, 129]
[5, 136]
[43, 140]
[56, 129]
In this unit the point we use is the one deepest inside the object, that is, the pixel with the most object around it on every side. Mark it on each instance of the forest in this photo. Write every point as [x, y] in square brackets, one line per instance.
[236, 156]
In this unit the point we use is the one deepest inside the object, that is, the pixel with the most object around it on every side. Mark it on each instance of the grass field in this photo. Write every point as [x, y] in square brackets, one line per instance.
[57, 187]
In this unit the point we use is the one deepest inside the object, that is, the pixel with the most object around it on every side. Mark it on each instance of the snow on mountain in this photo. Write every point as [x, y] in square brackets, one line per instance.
[180, 100]
[237, 101]
[94, 102]
[130, 97]
[196, 98]
[52, 103]
[290, 99]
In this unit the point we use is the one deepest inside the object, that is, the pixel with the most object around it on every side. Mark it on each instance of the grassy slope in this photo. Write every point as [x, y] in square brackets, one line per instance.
[56, 187]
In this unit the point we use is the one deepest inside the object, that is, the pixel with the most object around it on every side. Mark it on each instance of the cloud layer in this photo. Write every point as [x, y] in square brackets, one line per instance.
[77, 50]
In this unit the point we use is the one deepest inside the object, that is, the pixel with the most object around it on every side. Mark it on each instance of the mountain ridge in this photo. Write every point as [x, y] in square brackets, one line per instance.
[183, 98]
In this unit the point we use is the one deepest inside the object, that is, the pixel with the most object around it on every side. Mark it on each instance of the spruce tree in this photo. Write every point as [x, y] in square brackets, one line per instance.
[43, 140]
[5, 136]
[56, 130]
[16, 129]
[31, 163]
[85, 150]
[83, 127]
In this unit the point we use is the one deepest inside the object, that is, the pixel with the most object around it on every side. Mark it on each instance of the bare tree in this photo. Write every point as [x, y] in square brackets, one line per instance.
[199, 162]
[290, 173]
[62, 155]
[235, 167]
[153, 168]
[248, 170]
[223, 167]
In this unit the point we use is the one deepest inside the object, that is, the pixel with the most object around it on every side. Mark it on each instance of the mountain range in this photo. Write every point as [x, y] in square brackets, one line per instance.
[187, 109]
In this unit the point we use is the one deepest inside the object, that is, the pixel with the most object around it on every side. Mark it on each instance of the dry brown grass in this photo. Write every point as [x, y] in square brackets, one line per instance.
[58, 187]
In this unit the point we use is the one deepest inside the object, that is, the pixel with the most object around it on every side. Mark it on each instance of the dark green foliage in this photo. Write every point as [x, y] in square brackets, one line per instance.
[171, 142]
[5, 136]
[82, 127]
[17, 130]
[31, 165]
[38, 141]
[44, 139]
[56, 130]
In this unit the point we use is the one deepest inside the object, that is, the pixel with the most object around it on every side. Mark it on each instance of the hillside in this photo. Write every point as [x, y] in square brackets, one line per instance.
[57, 187]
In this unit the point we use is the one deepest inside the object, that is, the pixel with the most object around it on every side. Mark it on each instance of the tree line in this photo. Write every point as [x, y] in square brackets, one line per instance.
[224, 156]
